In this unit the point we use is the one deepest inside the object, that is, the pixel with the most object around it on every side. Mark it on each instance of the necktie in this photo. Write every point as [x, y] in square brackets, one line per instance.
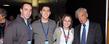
[83, 35]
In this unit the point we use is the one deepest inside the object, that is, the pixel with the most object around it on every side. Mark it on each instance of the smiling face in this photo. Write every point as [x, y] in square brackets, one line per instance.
[66, 22]
[26, 11]
[45, 12]
[82, 16]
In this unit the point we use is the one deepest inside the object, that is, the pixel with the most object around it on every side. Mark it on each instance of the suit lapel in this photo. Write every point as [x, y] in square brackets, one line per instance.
[42, 35]
[50, 31]
[78, 34]
[90, 33]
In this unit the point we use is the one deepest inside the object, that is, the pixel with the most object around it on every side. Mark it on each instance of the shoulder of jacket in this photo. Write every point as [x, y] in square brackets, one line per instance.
[36, 21]
[72, 30]
[50, 20]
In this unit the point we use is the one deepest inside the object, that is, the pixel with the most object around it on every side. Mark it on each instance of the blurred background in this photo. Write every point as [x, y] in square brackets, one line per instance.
[96, 9]
[108, 25]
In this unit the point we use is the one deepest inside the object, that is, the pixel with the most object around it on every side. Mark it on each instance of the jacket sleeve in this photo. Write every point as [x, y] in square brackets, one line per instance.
[9, 35]
[54, 37]
[57, 35]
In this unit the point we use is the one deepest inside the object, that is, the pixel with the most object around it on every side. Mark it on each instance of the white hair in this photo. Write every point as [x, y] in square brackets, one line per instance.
[84, 10]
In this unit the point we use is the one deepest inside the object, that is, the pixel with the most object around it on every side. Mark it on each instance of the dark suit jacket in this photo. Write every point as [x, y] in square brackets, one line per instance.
[94, 34]
[16, 32]
[39, 36]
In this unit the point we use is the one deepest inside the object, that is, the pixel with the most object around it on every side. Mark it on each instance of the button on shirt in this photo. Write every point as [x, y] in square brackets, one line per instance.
[86, 27]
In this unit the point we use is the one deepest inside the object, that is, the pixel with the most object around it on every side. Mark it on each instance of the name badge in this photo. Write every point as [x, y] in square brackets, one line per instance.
[46, 42]
[29, 42]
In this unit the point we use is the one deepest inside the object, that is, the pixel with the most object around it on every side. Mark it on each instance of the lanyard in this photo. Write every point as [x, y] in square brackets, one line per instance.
[66, 36]
[45, 32]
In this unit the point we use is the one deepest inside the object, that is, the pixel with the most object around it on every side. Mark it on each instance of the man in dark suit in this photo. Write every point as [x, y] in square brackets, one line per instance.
[87, 32]
[19, 31]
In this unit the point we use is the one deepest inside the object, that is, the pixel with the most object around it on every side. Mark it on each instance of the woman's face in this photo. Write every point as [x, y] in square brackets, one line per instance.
[67, 22]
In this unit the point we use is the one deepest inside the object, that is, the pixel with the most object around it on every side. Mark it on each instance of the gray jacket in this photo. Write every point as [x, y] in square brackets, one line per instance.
[17, 32]
[39, 36]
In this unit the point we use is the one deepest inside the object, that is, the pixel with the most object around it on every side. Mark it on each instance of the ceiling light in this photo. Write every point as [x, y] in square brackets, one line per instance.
[6, 5]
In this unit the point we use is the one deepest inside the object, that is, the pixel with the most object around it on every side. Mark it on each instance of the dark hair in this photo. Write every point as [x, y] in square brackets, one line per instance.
[43, 5]
[63, 17]
[2, 12]
[24, 4]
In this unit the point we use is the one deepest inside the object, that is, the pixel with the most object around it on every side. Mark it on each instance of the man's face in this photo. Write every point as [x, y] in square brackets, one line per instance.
[82, 17]
[45, 12]
[2, 18]
[26, 11]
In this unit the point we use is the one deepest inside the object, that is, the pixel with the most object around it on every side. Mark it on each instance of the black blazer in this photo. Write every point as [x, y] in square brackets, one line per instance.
[94, 34]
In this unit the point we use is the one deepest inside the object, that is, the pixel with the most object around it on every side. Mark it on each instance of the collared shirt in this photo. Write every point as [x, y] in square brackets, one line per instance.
[26, 22]
[86, 27]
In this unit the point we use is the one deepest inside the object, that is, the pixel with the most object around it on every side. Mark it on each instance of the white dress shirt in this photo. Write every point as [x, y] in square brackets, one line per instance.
[86, 27]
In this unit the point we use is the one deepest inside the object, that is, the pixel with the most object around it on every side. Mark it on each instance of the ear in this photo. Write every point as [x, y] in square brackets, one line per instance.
[50, 12]
[40, 12]
[20, 10]
[86, 14]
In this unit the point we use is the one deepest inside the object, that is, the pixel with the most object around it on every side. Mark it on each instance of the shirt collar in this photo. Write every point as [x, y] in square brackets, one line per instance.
[87, 22]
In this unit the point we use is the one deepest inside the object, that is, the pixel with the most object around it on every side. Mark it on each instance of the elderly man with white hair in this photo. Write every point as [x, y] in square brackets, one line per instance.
[87, 32]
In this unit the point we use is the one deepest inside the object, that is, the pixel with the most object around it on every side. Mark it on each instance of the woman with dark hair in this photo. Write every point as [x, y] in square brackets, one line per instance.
[65, 33]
